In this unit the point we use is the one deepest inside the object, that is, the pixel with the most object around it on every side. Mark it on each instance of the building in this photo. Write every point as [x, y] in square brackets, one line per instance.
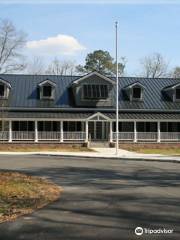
[47, 108]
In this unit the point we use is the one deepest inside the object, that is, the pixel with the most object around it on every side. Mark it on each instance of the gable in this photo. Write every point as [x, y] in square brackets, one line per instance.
[94, 77]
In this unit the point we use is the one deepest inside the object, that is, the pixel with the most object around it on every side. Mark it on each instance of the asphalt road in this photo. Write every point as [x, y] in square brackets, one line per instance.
[102, 199]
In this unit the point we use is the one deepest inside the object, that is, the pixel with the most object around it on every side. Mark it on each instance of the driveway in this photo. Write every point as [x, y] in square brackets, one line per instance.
[102, 199]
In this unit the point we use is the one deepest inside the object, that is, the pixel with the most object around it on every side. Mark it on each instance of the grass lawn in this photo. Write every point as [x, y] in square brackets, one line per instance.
[21, 194]
[19, 147]
[154, 148]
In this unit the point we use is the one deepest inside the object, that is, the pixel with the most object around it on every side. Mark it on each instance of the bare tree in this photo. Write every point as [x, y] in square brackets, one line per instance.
[154, 66]
[61, 68]
[11, 43]
[176, 72]
[35, 66]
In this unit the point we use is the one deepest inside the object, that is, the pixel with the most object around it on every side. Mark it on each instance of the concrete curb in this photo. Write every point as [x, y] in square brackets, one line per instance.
[114, 158]
[171, 159]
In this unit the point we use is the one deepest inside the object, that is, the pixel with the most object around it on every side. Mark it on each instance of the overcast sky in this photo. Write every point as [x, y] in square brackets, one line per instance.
[70, 31]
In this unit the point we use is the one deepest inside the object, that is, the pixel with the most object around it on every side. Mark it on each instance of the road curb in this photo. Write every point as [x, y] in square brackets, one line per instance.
[114, 158]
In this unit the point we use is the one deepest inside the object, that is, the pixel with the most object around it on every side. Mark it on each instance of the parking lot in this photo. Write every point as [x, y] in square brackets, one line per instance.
[102, 199]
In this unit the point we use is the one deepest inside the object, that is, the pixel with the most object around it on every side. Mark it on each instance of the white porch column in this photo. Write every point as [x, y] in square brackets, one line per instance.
[86, 131]
[36, 131]
[10, 131]
[158, 132]
[135, 132]
[61, 130]
[110, 129]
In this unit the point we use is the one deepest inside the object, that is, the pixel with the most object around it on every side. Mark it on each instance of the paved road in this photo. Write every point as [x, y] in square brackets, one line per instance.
[102, 199]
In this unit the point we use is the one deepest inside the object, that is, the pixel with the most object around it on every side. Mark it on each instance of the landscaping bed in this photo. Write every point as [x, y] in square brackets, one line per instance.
[153, 148]
[42, 147]
[21, 194]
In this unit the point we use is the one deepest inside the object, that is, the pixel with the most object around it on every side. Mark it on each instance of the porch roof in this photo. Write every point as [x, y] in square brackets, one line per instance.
[85, 115]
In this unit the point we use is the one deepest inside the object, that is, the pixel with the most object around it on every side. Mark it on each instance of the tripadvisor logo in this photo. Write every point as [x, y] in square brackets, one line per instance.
[139, 231]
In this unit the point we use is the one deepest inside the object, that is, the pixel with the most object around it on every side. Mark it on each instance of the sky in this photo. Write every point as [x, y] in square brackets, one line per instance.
[71, 31]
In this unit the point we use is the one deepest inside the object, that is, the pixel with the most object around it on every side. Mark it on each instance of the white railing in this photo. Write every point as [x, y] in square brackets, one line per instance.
[49, 135]
[22, 135]
[147, 136]
[4, 136]
[170, 136]
[123, 135]
[74, 136]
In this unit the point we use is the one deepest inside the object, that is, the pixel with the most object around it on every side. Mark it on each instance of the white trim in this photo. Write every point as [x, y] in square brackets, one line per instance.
[61, 131]
[47, 81]
[158, 132]
[135, 132]
[10, 131]
[87, 131]
[134, 84]
[36, 131]
[91, 74]
[98, 114]
[5, 83]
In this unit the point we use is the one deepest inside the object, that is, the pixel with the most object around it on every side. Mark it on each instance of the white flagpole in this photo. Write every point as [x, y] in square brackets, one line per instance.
[117, 92]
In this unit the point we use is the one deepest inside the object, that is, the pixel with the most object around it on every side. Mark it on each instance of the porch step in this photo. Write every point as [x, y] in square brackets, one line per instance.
[99, 144]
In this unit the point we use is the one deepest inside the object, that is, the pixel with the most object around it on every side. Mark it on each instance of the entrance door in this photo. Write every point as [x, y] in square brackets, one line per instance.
[99, 130]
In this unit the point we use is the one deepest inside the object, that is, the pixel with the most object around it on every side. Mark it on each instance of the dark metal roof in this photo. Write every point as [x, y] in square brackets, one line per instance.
[85, 115]
[24, 93]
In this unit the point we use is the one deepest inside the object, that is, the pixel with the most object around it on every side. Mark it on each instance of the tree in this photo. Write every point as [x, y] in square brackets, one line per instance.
[176, 72]
[102, 62]
[11, 43]
[35, 66]
[61, 68]
[154, 66]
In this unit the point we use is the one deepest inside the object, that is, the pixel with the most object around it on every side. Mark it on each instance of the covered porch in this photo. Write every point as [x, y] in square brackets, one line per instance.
[89, 130]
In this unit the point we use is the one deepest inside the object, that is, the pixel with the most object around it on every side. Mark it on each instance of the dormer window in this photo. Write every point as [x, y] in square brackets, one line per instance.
[136, 93]
[95, 91]
[47, 89]
[2, 91]
[178, 94]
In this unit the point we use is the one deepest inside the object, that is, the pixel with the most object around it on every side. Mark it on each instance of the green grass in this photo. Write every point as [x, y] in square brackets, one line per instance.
[153, 148]
[21, 194]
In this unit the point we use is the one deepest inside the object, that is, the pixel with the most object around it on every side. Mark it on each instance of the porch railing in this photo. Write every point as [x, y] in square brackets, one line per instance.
[74, 136]
[22, 135]
[170, 136]
[147, 136]
[123, 136]
[49, 135]
[4, 135]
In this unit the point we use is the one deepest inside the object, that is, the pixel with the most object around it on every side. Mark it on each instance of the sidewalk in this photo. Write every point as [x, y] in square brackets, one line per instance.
[103, 153]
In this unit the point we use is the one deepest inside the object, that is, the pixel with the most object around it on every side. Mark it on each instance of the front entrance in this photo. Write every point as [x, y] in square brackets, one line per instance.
[99, 130]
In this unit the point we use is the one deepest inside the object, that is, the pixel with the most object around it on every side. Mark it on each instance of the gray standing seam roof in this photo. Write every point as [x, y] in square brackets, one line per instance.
[85, 115]
[24, 92]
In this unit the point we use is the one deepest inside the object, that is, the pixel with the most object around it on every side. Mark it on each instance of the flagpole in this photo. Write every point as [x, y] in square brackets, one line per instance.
[117, 92]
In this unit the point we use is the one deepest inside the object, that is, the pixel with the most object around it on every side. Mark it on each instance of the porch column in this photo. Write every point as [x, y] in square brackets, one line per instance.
[86, 131]
[158, 132]
[36, 131]
[135, 132]
[111, 135]
[61, 130]
[10, 131]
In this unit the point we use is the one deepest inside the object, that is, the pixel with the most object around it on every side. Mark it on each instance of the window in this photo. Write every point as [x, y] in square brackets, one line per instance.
[178, 93]
[95, 91]
[47, 91]
[136, 93]
[2, 90]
